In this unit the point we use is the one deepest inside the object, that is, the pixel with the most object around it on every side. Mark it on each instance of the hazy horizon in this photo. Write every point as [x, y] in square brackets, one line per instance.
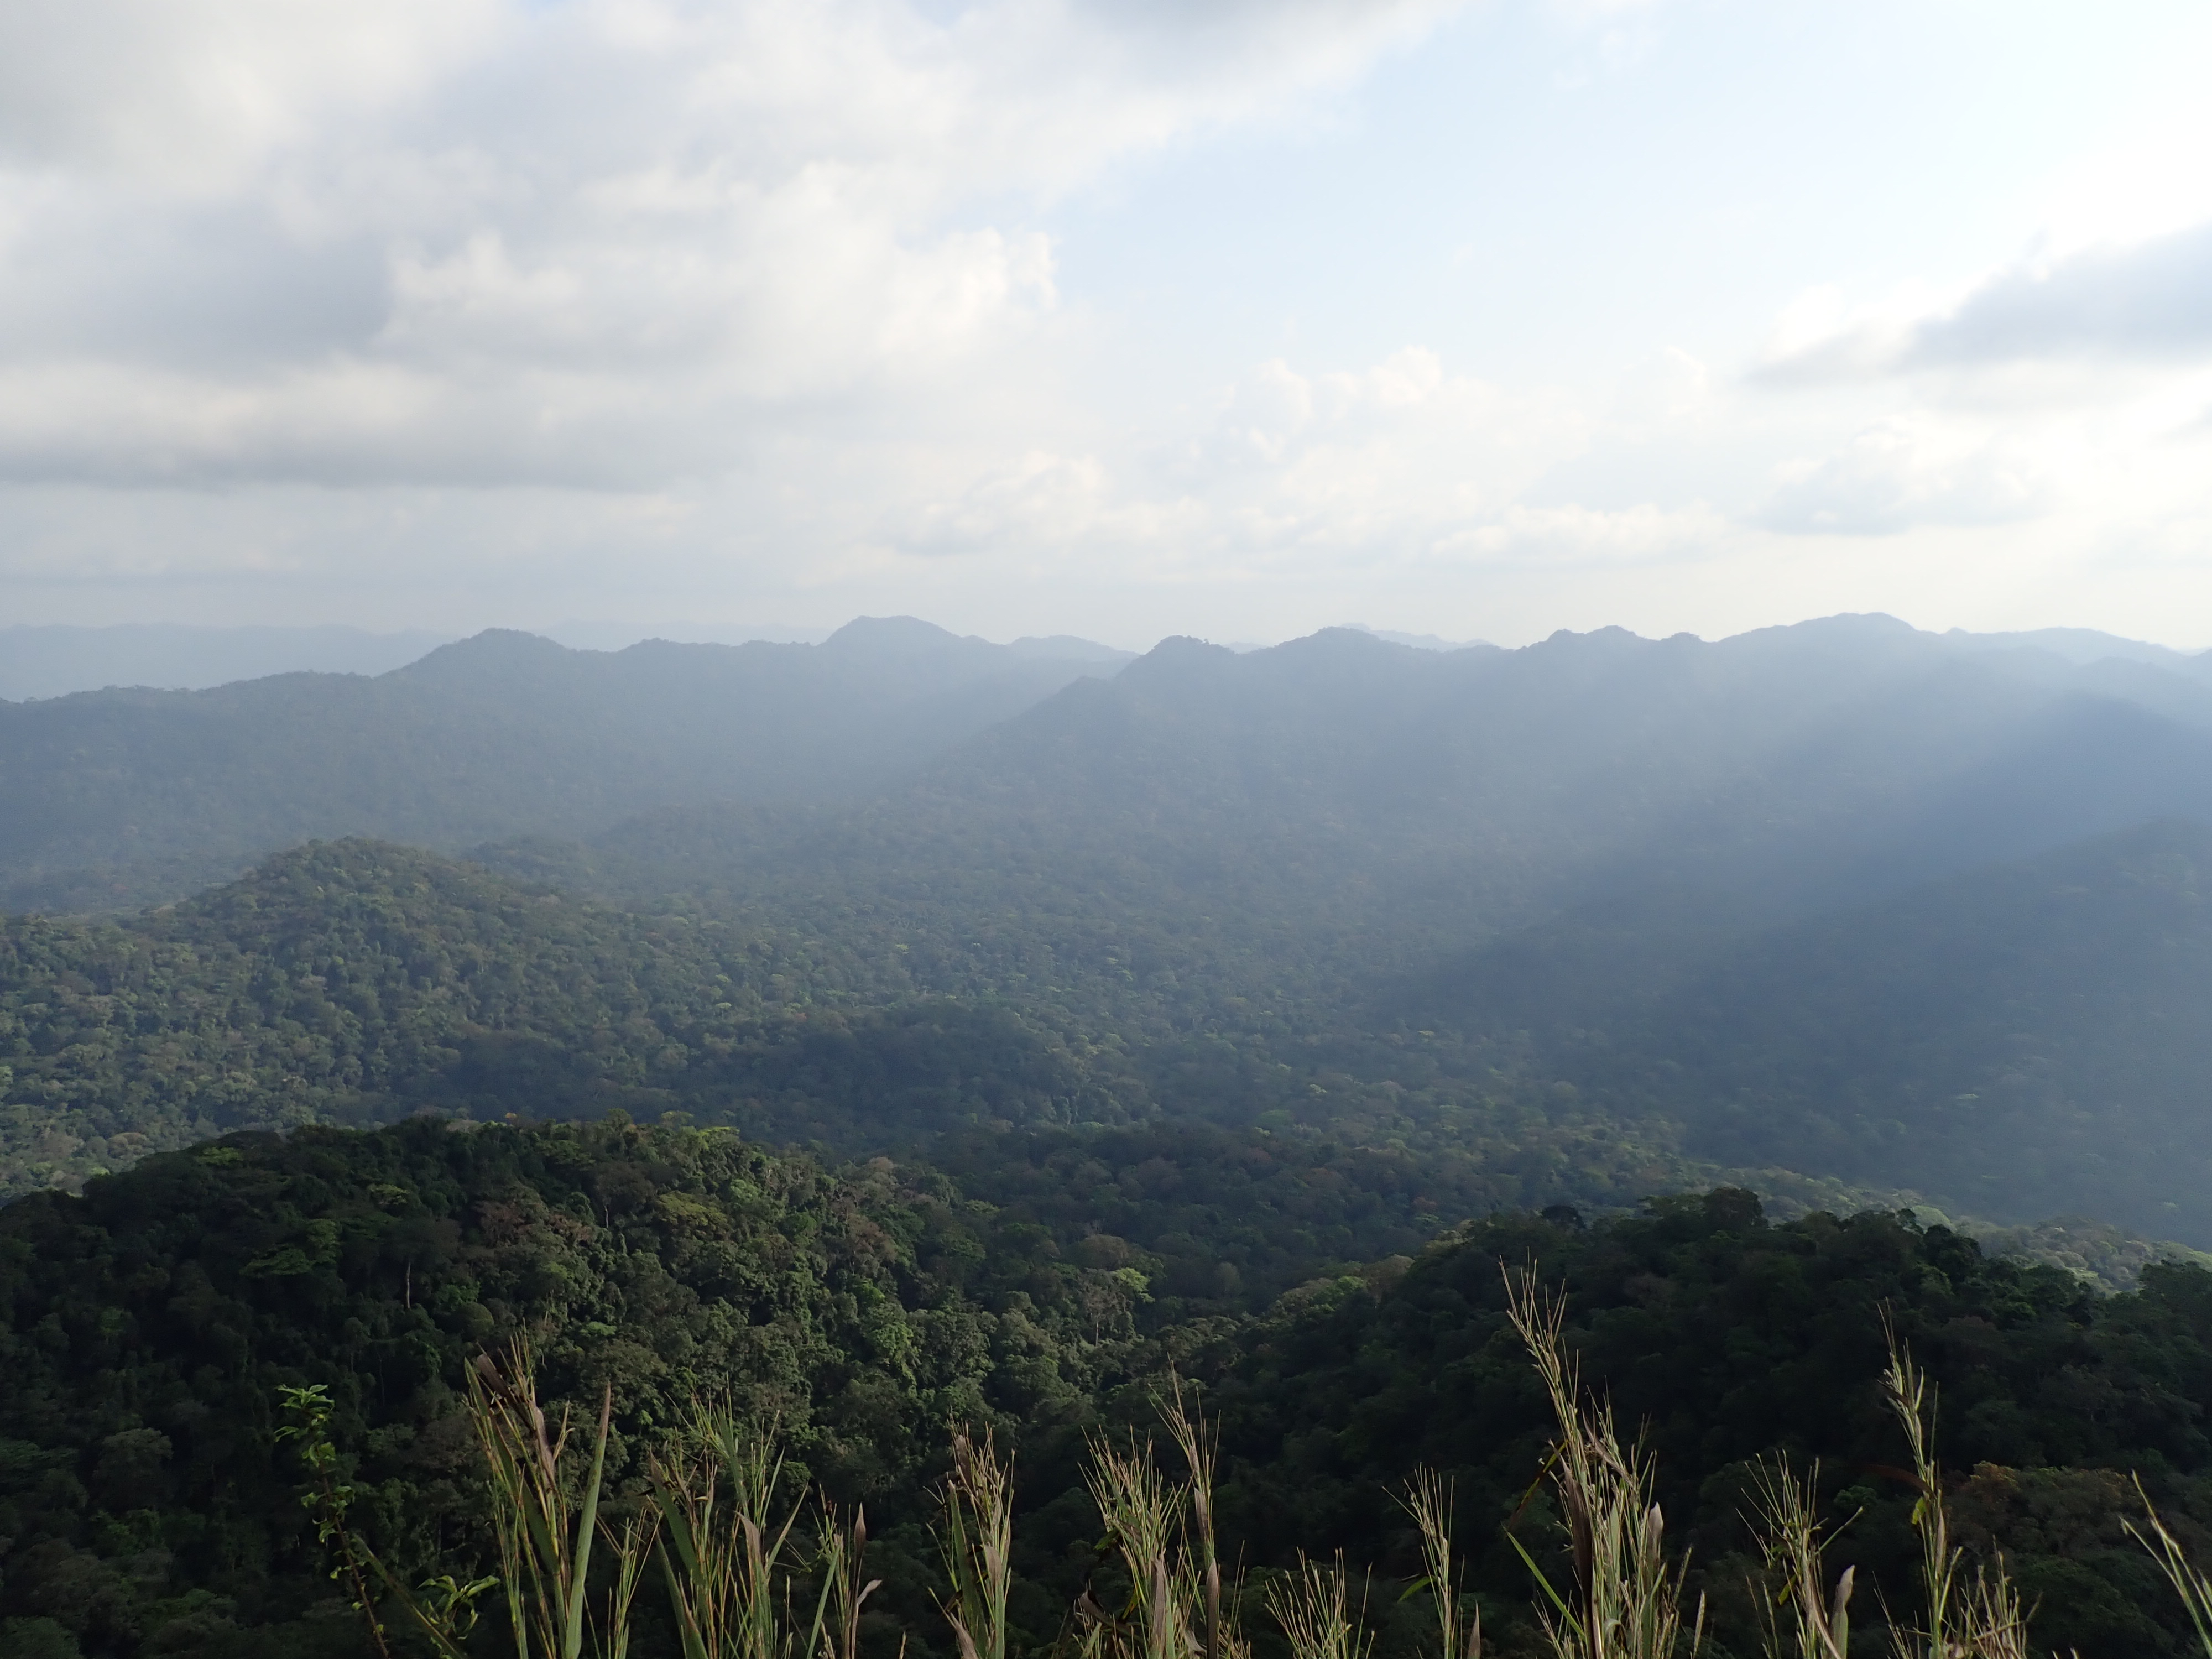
[586, 634]
[1044, 317]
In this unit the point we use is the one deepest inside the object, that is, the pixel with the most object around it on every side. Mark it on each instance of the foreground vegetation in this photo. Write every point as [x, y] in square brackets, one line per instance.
[712, 1521]
[152, 1325]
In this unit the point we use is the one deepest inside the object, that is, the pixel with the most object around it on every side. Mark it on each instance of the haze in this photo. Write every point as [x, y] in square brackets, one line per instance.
[1035, 317]
[971, 794]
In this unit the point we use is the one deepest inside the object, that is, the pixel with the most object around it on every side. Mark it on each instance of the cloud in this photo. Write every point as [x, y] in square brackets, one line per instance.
[191, 96]
[2151, 302]
[1402, 466]
[1575, 537]
[612, 243]
[2154, 300]
[1900, 474]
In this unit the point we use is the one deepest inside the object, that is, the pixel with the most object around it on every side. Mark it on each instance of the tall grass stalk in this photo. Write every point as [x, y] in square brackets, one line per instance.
[1984, 1621]
[2189, 1584]
[1314, 1607]
[545, 1537]
[1140, 1508]
[977, 1541]
[1202, 1559]
[1625, 1601]
[1428, 1500]
[1179, 1606]
[1819, 1619]
[722, 1554]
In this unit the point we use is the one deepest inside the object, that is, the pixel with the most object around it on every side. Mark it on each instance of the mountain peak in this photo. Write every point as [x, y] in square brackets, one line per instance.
[495, 650]
[906, 635]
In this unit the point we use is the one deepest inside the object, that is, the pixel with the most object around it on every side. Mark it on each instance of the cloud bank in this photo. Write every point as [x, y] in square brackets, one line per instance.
[597, 243]
[520, 311]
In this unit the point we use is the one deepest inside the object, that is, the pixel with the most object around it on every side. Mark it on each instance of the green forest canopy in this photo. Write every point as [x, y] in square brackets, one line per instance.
[149, 1322]
[1243, 1016]
[2014, 1044]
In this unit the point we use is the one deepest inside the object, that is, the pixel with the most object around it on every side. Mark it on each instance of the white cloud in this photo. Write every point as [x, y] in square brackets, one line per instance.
[1402, 466]
[1904, 473]
[193, 96]
[2067, 387]
[1576, 537]
[608, 242]
[463, 308]
[2152, 301]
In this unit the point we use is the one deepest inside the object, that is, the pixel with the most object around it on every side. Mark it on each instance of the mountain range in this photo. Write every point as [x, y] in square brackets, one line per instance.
[1842, 908]
[123, 797]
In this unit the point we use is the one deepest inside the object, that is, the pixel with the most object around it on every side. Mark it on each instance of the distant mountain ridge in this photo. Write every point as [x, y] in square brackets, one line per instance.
[1781, 903]
[1678, 879]
[55, 660]
[1771, 774]
[2082, 647]
[116, 798]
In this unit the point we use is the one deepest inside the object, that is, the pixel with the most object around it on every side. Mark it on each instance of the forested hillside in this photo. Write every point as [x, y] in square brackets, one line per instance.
[1791, 766]
[1764, 776]
[2013, 1045]
[1240, 1014]
[1598, 918]
[115, 800]
[353, 982]
[1760, 902]
[146, 1327]
[1229, 890]
[2037, 1034]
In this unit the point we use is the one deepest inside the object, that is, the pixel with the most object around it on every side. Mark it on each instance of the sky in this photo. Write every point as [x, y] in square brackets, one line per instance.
[1115, 318]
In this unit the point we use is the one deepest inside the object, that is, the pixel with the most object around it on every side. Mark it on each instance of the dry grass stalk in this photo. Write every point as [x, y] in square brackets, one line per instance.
[1428, 1499]
[1995, 1624]
[1163, 1529]
[1202, 1559]
[976, 1540]
[633, 1547]
[2194, 1588]
[1140, 1508]
[1626, 1600]
[546, 1538]
[1314, 1607]
[721, 1549]
[1984, 1622]
[727, 1560]
[1819, 1620]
